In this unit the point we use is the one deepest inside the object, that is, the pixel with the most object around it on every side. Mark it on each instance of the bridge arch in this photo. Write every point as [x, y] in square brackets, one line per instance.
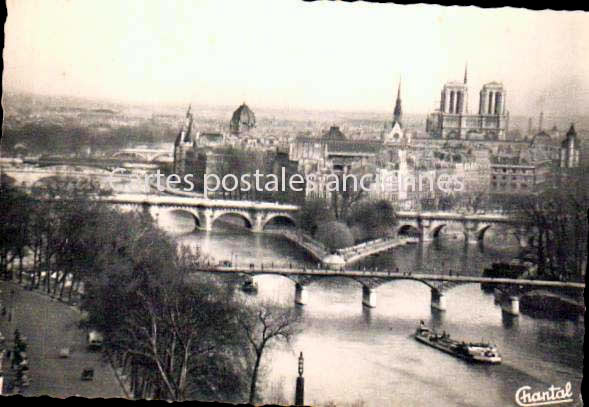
[9, 180]
[309, 278]
[282, 217]
[262, 273]
[249, 223]
[480, 234]
[435, 233]
[409, 230]
[198, 223]
[409, 278]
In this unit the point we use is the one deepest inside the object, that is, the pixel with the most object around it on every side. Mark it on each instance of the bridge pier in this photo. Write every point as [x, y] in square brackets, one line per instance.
[300, 294]
[208, 220]
[425, 237]
[523, 238]
[511, 305]
[258, 226]
[470, 236]
[438, 300]
[368, 297]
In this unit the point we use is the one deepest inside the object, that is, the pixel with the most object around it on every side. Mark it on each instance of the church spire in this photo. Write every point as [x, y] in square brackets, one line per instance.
[466, 73]
[398, 112]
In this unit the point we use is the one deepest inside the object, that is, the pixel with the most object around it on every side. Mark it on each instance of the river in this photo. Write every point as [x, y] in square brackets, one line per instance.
[366, 357]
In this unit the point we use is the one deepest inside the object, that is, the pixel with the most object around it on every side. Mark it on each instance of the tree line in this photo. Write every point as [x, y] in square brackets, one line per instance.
[168, 333]
[558, 216]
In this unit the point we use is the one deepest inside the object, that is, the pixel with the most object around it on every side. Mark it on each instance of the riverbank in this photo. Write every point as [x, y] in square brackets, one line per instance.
[358, 252]
[312, 246]
[548, 304]
[348, 255]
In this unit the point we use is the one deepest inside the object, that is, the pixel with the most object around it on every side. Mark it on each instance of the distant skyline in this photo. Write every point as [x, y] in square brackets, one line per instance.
[291, 54]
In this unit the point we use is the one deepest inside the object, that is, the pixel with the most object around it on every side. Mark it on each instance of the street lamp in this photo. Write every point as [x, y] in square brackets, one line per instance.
[301, 362]
[300, 389]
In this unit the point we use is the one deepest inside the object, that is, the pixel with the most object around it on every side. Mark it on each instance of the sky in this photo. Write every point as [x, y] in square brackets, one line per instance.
[293, 54]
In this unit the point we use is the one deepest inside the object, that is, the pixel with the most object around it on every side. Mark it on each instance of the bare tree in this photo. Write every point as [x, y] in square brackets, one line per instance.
[558, 215]
[351, 189]
[376, 219]
[172, 336]
[335, 235]
[476, 199]
[263, 325]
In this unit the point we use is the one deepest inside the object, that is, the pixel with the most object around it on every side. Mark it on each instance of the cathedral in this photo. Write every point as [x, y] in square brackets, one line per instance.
[453, 120]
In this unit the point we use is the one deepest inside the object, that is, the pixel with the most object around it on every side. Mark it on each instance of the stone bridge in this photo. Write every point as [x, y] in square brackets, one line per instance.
[205, 212]
[428, 225]
[146, 154]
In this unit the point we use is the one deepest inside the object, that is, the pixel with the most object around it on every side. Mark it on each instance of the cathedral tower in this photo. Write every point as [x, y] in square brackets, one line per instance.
[455, 97]
[453, 120]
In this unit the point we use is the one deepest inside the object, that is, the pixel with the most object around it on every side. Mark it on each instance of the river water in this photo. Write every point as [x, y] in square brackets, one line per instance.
[366, 357]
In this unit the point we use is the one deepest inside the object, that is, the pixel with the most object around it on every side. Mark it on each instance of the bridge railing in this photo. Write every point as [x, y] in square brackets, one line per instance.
[269, 265]
[220, 265]
[283, 268]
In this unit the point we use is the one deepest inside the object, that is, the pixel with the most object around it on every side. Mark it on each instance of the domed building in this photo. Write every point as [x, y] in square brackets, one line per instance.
[243, 120]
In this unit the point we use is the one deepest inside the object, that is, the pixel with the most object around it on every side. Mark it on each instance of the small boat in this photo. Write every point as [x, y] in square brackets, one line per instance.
[249, 286]
[471, 352]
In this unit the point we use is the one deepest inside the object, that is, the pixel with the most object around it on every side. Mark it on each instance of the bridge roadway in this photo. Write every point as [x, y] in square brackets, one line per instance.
[370, 279]
[163, 200]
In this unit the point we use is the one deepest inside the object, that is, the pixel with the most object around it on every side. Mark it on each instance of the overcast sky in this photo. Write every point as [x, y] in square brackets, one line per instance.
[293, 54]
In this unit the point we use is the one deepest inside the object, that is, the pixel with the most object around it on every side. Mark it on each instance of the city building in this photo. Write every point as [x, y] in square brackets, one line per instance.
[570, 150]
[453, 120]
[332, 151]
[517, 175]
[184, 156]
